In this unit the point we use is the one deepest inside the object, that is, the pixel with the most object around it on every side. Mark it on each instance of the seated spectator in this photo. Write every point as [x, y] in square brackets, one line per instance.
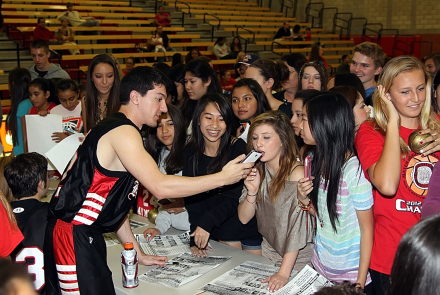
[162, 18]
[165, 40]
[157, 43]
[129, 65]
[308, 36]
[41, 32]
[416, 265]
[65, 36]
[192, 54]
[432, 62]
[226, 82]
[222, 50]
[76, 20]
[69, 109]
[344, 67]
[316, 54]
[297, 34]
[235, 46]
[139, 49]
[27, 177]
[283, 33]
[42, 67]
[14, 279]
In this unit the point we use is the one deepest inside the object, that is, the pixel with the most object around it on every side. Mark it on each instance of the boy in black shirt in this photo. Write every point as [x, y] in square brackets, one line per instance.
[26, 175]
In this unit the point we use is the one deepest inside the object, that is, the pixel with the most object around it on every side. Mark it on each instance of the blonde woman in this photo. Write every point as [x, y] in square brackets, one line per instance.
[65, 35]
[402, 104]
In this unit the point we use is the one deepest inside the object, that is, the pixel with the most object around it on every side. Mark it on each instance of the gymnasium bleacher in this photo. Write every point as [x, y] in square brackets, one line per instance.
[195, 23]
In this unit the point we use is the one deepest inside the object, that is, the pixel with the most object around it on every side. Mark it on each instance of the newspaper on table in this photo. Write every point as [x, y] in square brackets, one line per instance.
[112, 239]
[166, 245]
[185, 268]
[246, 279]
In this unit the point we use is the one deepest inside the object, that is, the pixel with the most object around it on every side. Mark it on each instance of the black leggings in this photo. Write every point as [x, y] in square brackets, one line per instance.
[379, 283]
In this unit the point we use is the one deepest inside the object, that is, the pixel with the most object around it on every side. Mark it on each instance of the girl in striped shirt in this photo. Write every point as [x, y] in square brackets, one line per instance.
[337, 193]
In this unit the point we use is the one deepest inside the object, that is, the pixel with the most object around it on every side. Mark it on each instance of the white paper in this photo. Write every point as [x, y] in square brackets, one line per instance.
[63, 151]
[187, 269]
[166, 245]
[246, 279]
[39, 130]
[112, 239]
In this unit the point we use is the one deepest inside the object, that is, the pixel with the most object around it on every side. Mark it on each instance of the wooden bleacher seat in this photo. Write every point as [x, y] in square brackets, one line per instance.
[124, 45]
[217, 2]
[235, 12]
[274, 30]
[229, 7]
[116, 29]
[78, 7]
[75, 2]
[293, 43]
[4, 87]
[101, 21]
[240, 17]
[134, 37]
[249, 25]
[2, 72]
[271, 36]
[54, 14]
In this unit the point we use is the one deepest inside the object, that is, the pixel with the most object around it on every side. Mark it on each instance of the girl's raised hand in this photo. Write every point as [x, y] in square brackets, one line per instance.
[252, 181]
[43, 113]
[305, 187]
[390, 110]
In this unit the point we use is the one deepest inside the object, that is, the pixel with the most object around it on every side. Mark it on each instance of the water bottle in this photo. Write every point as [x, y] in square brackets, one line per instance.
[129, 263]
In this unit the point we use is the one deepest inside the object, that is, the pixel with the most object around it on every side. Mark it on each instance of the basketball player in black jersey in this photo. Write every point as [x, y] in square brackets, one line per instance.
[100, 184]
[26, 175]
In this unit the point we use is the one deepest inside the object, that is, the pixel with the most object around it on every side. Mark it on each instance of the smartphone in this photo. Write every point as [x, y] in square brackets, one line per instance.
[308, 166]
[243, 126]
[165, 202]
[252, 157]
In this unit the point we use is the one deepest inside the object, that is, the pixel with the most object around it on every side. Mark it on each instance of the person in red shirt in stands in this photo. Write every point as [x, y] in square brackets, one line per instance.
[41, 32]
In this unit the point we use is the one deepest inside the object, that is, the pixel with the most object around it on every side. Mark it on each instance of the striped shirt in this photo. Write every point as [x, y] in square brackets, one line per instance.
[336, 255]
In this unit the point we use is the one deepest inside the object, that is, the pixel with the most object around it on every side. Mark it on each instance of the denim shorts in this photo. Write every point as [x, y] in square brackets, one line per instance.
[248, 244]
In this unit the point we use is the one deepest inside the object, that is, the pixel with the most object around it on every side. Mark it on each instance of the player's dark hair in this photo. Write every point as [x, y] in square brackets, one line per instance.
[140, 79]
[174, 161]
[18, 81]
[350, 79]
[416, 268]
[197, 141]
[331, 122]
[67, 84]
[24, 173]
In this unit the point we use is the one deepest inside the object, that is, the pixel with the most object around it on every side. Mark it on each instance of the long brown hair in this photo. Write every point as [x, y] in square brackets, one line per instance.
[289, 150]
[92, 93]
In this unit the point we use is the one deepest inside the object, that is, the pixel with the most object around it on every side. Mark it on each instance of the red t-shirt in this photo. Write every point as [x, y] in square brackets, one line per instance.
[10, 238]
[34, 110]
[394, 216]
[229, 85]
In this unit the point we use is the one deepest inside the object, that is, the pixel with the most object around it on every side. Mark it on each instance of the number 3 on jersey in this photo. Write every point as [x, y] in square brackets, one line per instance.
[37, 268]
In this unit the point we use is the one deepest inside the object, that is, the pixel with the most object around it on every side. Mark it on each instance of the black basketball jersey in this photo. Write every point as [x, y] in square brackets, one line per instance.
[89, 194]
[31, 216]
